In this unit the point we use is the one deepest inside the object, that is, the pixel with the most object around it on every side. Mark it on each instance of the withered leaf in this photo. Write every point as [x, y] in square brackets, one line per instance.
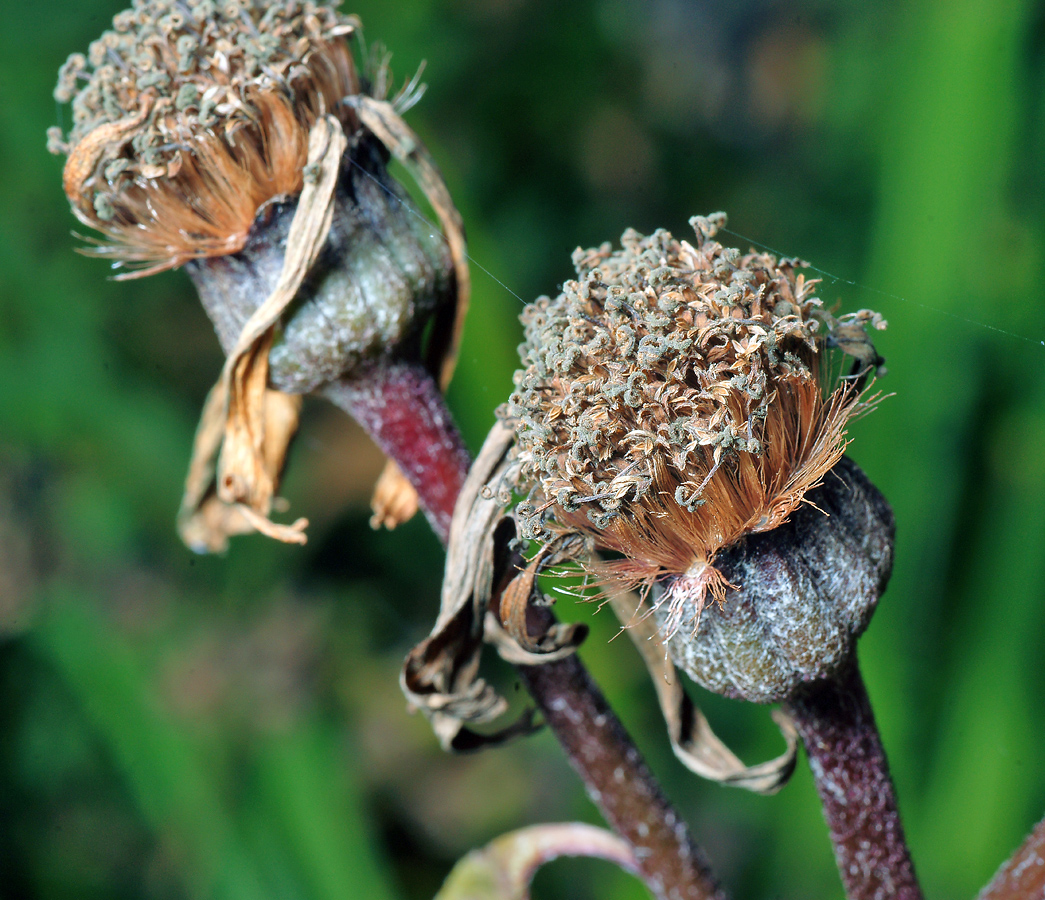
[395, 500]
[440, 675]
[695, 744]
[236, 493]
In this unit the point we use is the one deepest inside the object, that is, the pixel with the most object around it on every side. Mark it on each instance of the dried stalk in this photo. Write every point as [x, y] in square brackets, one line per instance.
[617, 778]
[399, 405]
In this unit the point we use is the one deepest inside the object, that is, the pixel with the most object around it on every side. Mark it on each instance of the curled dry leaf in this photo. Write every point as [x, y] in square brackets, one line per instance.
[205, 521]
[395, 500]
[382, 119]
[514, 638]
[234, 422]
[694, 742]
[441, 675]
[503, 869]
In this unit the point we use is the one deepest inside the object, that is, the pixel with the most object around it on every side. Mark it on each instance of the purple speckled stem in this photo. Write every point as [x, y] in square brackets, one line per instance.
[1023, 876]
[848, 761]
[400, 406]
[618, 780]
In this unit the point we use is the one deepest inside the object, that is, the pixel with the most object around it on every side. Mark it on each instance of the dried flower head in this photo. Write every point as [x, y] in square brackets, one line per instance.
[677, 397]
[239, 139]
[189, 115]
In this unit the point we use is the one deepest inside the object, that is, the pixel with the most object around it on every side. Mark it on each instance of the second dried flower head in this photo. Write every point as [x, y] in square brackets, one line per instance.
[675, 398]
[671, 430]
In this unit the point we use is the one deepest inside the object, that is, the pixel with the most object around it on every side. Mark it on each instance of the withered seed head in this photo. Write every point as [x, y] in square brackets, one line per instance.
[677, 397]
[237, 138]
[191, 114]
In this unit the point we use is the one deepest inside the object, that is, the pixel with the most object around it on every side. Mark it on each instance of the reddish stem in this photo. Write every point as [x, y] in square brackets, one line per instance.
[399, 405]
[401, 408]
[1023, 876]
[848, 761]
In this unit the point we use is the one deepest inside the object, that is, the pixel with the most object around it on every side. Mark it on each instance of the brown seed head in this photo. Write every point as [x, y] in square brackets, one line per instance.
[191, 114]
[676, 397]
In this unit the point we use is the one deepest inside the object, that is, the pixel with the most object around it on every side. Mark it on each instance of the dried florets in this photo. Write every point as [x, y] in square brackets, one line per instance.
[190, 114]
[675, 398]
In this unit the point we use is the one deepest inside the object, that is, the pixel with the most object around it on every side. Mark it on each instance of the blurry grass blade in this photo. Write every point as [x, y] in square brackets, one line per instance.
[314, 800]
[164, 771]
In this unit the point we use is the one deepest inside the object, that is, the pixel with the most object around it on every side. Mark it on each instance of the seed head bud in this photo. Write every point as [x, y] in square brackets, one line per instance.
[677, 405]
[804, 593]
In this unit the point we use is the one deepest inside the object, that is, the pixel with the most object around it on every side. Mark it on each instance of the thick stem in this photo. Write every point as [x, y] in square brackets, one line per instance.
[400, 406]
[837, 725]
[618, 780]
[1023, 876]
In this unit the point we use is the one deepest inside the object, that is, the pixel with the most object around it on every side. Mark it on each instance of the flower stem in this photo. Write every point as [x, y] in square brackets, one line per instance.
[618, 780]
[1022, 877]
[400, 406]
[845, 750]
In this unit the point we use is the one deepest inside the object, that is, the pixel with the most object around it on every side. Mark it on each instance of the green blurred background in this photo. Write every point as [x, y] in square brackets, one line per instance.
[174, 726]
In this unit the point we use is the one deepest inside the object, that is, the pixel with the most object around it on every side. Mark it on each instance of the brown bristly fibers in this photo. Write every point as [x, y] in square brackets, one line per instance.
[186, 124]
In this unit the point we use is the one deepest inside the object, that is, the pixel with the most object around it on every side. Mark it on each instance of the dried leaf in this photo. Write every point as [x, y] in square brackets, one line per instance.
[205, 522]
[440, 675]
[559, 642]
[243, 426]
[514, 642]
[382, 119]
[395, 500]
[503, 869]
[515, 600]
[692, 739]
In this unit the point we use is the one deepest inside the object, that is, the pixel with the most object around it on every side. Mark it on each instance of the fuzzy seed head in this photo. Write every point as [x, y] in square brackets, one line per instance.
[191, 114]
[674, 399]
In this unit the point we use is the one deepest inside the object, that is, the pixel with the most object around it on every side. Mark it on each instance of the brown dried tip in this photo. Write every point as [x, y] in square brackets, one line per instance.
[190, 115]
[677, 397]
